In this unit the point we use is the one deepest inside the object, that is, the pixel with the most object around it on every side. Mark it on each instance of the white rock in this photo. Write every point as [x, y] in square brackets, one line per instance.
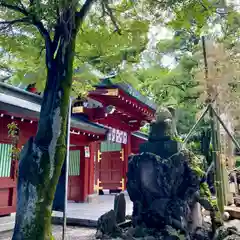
[226, 216]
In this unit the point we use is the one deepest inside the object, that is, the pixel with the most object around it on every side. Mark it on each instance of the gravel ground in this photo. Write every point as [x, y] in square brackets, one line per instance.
[80, 233]
[73, 233]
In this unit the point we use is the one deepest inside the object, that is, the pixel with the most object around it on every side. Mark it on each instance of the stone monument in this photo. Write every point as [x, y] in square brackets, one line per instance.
[164, 181]
[167, 188]
[120, 207]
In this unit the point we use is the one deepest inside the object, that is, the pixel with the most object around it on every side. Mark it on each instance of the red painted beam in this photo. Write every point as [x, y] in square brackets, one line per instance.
[16, 115]
[7, 182]
[83, 140]
[118, 123]
[111, 121]
[125, 103]
[93, 113]
[28, 128]
[104, 92]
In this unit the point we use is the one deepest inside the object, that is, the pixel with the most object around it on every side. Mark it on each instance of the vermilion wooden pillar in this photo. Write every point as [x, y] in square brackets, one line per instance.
[93, 152]
[127, 152]
[97, 166]
[84, 170]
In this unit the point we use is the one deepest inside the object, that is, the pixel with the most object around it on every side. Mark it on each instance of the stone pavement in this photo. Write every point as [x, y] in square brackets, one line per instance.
[72, 233]
[94, 210]
[7, 223]
[78, 211]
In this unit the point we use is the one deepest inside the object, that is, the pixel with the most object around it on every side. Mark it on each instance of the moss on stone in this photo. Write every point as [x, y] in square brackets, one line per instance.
[205, 191]
[195, 165]
[177, 139]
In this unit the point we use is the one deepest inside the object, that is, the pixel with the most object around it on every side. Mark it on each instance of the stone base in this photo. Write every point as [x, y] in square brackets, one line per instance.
[164, 149]
[93, 198]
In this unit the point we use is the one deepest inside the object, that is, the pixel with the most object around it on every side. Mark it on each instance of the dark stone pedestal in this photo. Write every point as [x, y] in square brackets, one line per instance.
[161, 189]
[164, 149]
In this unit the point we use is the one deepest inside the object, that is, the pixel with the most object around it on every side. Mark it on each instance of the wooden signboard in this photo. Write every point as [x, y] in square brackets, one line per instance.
[118, 136]
[87, 151]
[78, 109]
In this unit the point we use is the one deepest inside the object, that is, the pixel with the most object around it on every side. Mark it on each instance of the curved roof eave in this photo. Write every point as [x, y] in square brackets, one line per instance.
[21, 101]
[128, 89]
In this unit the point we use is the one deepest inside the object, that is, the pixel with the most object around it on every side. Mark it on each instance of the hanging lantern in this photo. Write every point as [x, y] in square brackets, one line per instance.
[78, 106]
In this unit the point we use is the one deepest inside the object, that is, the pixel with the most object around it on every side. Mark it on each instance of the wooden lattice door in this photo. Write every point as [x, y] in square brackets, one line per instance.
[110, 166]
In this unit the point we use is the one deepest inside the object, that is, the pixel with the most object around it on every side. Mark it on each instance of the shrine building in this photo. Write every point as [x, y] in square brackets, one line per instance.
[104, 132]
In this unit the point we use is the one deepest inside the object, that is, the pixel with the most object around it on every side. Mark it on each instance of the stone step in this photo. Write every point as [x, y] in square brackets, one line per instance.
[7, 223]
[233, 211]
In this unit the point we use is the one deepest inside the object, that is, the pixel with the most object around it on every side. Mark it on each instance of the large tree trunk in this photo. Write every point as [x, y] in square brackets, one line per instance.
[43, 156]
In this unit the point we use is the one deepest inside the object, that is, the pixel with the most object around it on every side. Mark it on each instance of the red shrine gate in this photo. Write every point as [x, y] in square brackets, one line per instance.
[119, 110]
[123, 111]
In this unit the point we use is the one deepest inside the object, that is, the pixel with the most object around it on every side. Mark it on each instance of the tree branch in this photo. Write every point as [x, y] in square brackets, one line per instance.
[80, 15]
[13, 7]
[176, 86]
[7, 24]
[109, 12]
[202, 4]
[6, 69]
[31, 19]
[31, 2]
[45, 34]
[43, 31]
[189, 98]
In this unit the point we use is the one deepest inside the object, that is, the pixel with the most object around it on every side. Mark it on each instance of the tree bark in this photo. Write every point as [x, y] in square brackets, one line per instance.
[43, 156]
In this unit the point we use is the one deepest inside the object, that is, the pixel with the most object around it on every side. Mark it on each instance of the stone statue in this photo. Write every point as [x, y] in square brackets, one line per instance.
[164, 181]
[163, 126]
[162, 134]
